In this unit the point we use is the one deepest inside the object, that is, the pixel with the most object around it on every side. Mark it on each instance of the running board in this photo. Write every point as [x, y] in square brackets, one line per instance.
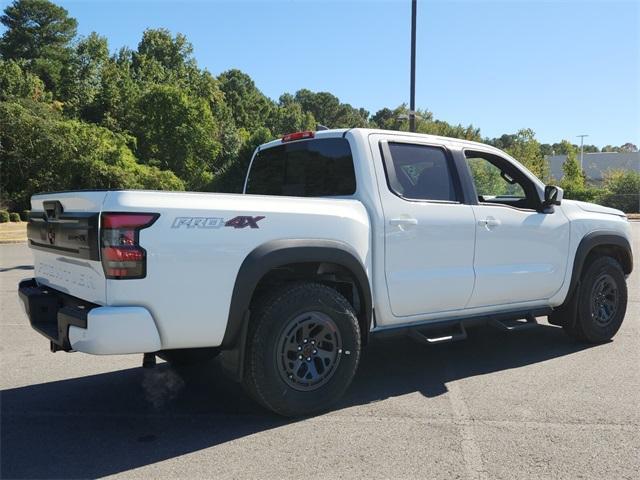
[435, 335]
[515, 324]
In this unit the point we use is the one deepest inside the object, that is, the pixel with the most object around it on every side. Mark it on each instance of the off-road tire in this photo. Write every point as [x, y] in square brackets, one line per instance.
[269, 341]
[584, 324]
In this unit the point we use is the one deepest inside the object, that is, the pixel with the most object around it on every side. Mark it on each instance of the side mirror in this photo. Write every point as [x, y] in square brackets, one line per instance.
[552, 195]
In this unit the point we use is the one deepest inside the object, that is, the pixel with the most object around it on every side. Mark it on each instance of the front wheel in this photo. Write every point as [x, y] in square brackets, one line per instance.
[602, 302]
[303, 349]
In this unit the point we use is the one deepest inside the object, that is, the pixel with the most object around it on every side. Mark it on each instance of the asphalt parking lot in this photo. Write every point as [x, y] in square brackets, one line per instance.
[529, 404]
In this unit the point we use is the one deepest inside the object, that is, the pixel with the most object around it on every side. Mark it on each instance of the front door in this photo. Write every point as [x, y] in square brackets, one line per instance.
[521, 253]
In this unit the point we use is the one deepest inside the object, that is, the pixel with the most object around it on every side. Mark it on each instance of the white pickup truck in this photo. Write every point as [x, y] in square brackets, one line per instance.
[339, 235]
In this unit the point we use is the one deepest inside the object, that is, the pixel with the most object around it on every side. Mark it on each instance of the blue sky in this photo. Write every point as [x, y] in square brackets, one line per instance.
[562, 68]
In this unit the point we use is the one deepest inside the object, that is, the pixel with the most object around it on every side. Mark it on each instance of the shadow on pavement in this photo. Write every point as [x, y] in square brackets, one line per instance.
[18, 267]
[113, 422]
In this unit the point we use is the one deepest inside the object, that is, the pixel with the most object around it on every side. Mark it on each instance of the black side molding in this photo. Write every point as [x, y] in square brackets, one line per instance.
[597, 239]
[278, 253]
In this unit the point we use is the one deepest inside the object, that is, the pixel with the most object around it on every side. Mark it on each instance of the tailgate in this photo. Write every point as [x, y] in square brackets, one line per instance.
[64, 237]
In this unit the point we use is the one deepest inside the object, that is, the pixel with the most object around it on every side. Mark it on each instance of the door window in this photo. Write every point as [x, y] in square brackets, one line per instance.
[420, 172]
[497, 181]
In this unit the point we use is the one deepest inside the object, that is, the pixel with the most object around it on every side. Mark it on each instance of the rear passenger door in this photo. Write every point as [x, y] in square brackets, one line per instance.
[429, 232]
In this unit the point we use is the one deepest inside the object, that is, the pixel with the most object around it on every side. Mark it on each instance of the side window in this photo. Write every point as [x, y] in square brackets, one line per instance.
[497, 181]
[420, 172]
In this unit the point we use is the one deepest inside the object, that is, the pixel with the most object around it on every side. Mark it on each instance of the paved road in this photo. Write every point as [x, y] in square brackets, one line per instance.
[522, 405]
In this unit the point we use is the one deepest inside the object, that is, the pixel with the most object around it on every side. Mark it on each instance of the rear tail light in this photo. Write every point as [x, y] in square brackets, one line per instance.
[122, 256]
[290, 137]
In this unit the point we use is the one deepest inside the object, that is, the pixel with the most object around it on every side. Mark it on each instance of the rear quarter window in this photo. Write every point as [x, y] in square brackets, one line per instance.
[310, 168]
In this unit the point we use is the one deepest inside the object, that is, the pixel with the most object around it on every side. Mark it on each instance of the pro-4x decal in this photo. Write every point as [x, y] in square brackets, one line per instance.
[241, 221]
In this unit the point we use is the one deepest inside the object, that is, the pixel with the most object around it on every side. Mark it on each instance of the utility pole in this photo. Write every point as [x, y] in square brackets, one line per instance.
[412, 97]
[582, 150]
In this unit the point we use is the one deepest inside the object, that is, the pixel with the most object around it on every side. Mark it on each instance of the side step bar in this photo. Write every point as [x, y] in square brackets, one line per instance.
[515, 324]
[432, 336]
[431, 332]
[452, 332]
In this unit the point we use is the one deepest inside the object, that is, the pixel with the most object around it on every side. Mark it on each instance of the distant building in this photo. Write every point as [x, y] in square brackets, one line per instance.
[595, 165]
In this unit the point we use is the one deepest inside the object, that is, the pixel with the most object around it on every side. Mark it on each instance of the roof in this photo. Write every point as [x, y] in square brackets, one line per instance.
[341, 131]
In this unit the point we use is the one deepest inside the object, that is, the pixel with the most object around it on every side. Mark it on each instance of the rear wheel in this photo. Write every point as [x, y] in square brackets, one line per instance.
[303, 349]
[601, 303]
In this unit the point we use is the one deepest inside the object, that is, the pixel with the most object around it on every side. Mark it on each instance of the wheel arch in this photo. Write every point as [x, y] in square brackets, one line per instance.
[598, 243]
[281, 253]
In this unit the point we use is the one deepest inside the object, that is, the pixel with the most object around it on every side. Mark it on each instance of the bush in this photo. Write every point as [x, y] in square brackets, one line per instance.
[25, 215]
[4, 216]
[621, 191]
[579, 192]
[14, 217]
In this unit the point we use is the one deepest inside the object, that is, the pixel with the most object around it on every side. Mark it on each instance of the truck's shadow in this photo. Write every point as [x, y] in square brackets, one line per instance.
[113, 422]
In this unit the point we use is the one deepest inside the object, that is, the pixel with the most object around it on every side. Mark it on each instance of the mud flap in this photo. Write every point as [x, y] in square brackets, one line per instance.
[232, 360]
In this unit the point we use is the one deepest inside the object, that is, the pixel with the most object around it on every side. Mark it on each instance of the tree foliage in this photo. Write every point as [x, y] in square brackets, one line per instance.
[176, 132]
[526, 149]
[621, 190]
[40, 33]
[75, 115]
[250, 108]
[16, 82]
[574, 182]
[42, 151]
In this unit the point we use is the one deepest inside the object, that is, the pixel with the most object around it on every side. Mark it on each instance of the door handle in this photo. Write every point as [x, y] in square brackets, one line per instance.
[489, 222]
[403, 222]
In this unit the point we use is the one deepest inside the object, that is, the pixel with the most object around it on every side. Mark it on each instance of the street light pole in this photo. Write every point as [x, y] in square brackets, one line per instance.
[582, 150]
[412, 100]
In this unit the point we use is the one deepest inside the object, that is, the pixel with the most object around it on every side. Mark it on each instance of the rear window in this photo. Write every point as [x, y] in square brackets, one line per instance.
[311, 168]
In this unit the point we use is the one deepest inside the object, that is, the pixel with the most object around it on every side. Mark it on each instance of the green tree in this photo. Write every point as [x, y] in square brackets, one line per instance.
[289, 117]
[628, 147]
[329, 111]
[574, 180]
[526, 149]
[84, 76]
[40, 33]
[158, 48]
[15, 82]
[177, 132]
[116, 98]
[398, 119]
[621, 191]
[230, 178]
[250, 108]
[573, 174]
[41, 151]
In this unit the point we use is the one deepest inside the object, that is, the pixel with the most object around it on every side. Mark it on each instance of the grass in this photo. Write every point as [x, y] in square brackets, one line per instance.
[13, 232]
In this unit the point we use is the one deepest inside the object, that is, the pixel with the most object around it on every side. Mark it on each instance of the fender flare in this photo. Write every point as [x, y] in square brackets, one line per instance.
[597, 239]
[278, 253]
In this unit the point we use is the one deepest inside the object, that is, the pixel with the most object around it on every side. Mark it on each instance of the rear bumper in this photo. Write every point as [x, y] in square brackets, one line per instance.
[73, 324]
